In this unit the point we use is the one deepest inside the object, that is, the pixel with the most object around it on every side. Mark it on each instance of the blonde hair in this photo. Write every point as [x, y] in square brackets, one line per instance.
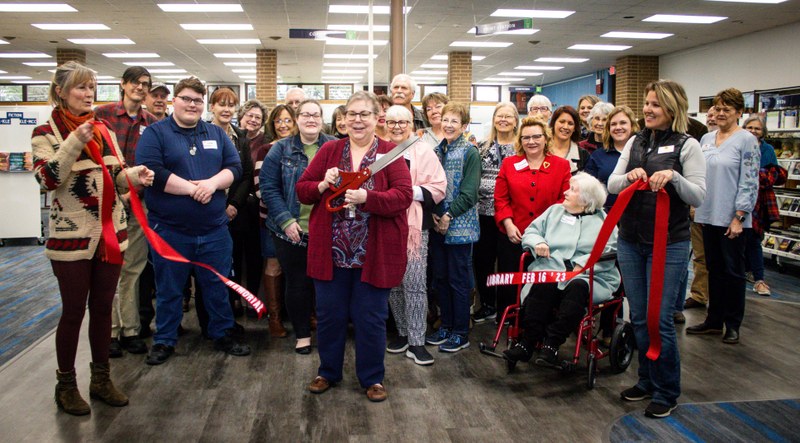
[502, 105]
[533, 121]
[672, 97]
[607, 128]
[68, 76]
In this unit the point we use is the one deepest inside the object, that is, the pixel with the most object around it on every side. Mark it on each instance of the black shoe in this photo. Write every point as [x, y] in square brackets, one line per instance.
[115, 350]
[159, 353]
[420, 355]
[181, 331]
[692, 303]
[231, 346]
[303, 350]
[134, 345]
[548, 357]
[520, 352]
[635, 394]
[678, 318]
[703, 328]
[484, 313]
[731, 336]
[397, 345]
[237, 330]
[657, 410]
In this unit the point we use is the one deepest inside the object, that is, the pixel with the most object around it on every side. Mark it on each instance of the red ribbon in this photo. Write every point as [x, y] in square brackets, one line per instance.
[163, 248]
[656, 273]
[110, 249]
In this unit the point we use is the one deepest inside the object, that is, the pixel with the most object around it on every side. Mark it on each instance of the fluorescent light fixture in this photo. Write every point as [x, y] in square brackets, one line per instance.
[195, 7]
[484, 83]
[149, 64]
[247, 77]
[244, 71]
[540, 67]
[131, 55]
[71, 26]
[234, 55]
[229, 41]
[359, 28]
[359, 9]
[347, 56]
[217, 26]
[36, 7]
[3, 42]
[585, 47]
[101, 41]
[561, 60]
[345, 65]
[24, 55]
[461, 44]
[475, 58]
[345, 42]
[428, 72]
[638, 35]
[514, 32]
[520, 74]
[166, 71]
[3, 72]
[41, 64]
[340, 79]
[14, 77]
[172, 76]
[771, 2]
[344, 71]
[433, 65]
[31, 82]
[692, 19]
[531, 13]
[504, 79]
[240, 63]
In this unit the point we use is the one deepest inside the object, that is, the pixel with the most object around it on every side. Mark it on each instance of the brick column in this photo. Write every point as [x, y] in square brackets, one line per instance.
[459, 77]
[634, 72]
[64, 55]
[267, 76]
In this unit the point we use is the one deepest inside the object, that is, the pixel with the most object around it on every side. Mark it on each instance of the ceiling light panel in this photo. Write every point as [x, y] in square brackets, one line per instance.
[585, 47]
[433, 65]
[429, 72]
[690, 19]
[637, 35]
[359, 9]
[514, 32]
[101, 41]
[148, 64]
[475, 58]
[344, 71]
[217, 26]
[240, 63]
[31, 82]
[531, 13]
[71, 26]
[131, 55]
[36, 7]
[244, 71]
[14, 77]
[520, 74]
[346, 42]
[194, 7]
[3, 42]
[348, 56]
[166, 71]
[540, 67]
[229, 41]
[561, 60]
[107, 77]
[462, 44]
[359, 28]
[345, 65]
[24, 55]
[41, 64]
[234, 55]
[504, 79]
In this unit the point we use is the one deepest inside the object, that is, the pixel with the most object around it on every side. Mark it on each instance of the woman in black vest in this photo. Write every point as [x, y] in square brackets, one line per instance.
[666, 158]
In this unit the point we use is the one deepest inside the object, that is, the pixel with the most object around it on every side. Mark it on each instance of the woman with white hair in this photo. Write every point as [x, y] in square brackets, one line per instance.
[562, 239]
[541, 106]
[596, 122]
[409, 301]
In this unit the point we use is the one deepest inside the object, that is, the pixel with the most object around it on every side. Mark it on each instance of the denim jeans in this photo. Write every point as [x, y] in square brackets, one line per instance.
[214, 249]
[754, 255]
[661, 377]
[453, 281]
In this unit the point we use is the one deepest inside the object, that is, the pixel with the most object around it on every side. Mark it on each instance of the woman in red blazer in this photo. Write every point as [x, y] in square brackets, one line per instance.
[527, 184]
[357, 255]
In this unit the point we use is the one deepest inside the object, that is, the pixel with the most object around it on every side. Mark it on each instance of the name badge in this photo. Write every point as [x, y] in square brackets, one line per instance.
[141, 129]
[706, 147]
[666, 149]
[569, 219]
[378, 156]
[209, 144]
[520, 165]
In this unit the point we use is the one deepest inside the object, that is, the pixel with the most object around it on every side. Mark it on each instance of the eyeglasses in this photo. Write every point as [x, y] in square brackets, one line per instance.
[285, 121]
[538, 109]
[363, 114]
[254, 116]
[724, 110]
[144, 85]
[186, 99]
[454, 122]
[314, 115]
[530, 138]
[436, 106]
[505, 117]
[402, 124]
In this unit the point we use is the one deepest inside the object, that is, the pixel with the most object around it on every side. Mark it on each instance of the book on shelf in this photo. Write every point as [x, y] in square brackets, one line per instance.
[789, 119]
[770, 243]
[795, 249]
[786, 203]
[784, 246]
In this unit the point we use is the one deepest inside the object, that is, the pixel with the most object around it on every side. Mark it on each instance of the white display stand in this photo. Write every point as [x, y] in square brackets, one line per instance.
[20, 205]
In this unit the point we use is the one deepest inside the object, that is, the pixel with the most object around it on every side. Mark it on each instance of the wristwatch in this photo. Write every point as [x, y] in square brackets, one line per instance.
[740, 217]
[449, 215]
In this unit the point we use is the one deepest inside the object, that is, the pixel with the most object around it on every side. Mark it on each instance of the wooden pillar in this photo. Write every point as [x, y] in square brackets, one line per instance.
[267, 76]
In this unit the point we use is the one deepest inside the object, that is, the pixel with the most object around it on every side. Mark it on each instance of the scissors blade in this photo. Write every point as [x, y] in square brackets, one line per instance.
[392, 155]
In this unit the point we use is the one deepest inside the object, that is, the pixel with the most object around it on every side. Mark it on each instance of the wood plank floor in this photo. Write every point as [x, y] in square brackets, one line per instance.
[203, 395]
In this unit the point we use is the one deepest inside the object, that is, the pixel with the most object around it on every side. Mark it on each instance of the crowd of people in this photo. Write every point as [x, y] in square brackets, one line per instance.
[417, 238]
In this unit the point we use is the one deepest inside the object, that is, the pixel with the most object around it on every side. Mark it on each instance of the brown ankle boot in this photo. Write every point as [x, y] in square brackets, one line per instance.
[273, 294]
[68, 399]
[102, 388]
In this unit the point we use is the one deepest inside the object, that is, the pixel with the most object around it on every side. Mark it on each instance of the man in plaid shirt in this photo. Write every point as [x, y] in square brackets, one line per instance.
[128, 120]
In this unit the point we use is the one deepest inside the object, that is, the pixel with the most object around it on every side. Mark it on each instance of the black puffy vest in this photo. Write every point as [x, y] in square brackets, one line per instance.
[636, 224]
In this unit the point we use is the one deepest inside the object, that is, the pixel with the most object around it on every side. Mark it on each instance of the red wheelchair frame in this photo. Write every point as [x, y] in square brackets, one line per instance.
[622, 340]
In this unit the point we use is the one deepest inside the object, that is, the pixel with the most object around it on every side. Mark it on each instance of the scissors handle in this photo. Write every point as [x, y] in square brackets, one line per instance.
[347, 180]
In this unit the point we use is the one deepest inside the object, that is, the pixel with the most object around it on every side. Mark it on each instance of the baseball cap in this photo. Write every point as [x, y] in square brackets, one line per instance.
[159, 85]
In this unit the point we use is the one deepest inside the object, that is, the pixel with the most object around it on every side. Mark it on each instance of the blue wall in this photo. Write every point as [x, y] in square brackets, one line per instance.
[568, 92]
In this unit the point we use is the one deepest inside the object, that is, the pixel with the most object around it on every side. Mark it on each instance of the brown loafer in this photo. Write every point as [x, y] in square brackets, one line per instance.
[319, 385]
[376, 393]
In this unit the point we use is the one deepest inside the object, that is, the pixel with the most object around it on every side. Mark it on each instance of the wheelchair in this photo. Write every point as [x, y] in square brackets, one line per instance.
[623, 341]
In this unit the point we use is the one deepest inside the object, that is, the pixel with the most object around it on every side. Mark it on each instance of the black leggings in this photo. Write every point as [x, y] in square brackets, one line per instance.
[551, 314]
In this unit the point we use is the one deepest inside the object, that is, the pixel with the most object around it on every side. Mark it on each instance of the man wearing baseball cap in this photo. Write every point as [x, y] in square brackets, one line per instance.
[156, 100]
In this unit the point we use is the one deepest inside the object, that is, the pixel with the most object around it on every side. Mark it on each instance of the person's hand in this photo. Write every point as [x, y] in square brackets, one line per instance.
[231, 212]
[542, 250]
[734, 229]
[331, 175]
[659, 179]
[146, 175]
[84, 132]
[577, 268]
[636, 174]
[294, 232]
[443, 225]
[355, 196]
[203, 191]
[514, 236]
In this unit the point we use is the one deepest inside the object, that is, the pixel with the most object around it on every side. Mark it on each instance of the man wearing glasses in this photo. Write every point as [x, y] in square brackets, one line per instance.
[194, 162]
[402, 90]
[128, 120]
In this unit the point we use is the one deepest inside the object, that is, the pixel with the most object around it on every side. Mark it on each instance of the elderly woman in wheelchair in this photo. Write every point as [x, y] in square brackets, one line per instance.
[561, 239]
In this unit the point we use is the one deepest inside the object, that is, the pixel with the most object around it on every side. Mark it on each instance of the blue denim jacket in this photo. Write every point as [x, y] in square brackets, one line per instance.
[284, 164]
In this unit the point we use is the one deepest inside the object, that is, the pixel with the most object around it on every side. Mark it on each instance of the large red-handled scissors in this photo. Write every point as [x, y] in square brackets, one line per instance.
[353, 180]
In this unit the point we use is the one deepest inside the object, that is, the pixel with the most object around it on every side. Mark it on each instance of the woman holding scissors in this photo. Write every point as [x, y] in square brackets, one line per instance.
[356, 255]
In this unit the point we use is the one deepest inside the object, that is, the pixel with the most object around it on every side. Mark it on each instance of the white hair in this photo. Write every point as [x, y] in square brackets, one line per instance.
[405, 78]
[591, 192]
[540, 100]
[396, 112]
[599, 108]
[300, 90]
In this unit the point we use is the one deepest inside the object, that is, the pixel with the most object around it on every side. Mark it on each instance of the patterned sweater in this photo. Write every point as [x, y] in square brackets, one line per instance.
[62, 166]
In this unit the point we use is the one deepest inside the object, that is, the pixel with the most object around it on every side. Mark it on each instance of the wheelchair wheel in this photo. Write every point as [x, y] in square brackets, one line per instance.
[623, 343]
[592, 378]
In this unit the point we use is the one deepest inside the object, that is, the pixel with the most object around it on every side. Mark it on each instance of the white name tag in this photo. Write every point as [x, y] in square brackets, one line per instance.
[520, 165]
[209, 144]
[568, 219]
[378, 156]
[141, 129]
[666, 149]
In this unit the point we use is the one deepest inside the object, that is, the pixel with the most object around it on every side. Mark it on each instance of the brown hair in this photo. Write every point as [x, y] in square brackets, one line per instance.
[384, 100]
[607, 128]
[731, 97]
[276, 111]
[365, 96]
[437, 97]
[576, 134]
[66, 77]
[223, 95]
[252, 104]
[192, 83]
[533, 121]
[459, 109]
